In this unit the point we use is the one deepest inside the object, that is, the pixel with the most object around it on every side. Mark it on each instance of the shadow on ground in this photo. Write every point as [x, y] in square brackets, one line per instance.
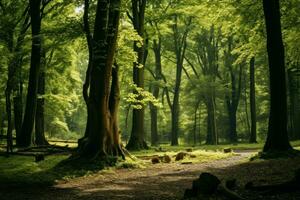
[163, 181]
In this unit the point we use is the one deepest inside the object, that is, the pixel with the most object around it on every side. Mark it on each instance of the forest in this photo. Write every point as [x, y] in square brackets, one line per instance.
[149, 99]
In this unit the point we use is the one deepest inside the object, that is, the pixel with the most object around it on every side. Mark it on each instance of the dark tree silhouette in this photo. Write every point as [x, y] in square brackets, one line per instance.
[31, 101]
[277, 139]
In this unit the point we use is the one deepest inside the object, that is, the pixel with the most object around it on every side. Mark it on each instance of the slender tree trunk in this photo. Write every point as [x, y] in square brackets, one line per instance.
[252, 102]
[180, 45]
[155, 93]
[40, 138]
[137, 137]
[246, 109]
[236, 85]
[30, 109]
[195, 124]
[18, 113]
[175, 107]
[232, 125]
[200, 138]
[9, 146]
[212, 136]
[277, 138]
[153, 113]
[2, 122]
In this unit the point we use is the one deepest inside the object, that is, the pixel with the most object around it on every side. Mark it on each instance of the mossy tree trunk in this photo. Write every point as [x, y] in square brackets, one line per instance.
[137, 136]
[277, 138]
[101, 88]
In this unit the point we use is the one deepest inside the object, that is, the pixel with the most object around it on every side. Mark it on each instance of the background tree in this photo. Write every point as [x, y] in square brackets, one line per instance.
[137, 136]
[252, 101]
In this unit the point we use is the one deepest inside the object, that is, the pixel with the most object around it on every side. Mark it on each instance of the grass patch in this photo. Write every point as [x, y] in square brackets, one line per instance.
[23, 169]
[200, 156]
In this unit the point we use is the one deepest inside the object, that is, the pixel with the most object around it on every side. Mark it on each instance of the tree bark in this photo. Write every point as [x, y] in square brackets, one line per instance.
[180, 45]
[40, 138]
[158, 76]
[195, 124]
[101, 138]
[30, 109]
[294, 99]
[252, 102]
[212, 136]
[235, 92]
[137, 137]
[18, 113]
[277, 138]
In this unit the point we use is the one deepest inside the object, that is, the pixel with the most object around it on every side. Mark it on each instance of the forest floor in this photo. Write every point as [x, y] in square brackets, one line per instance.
[163, 180]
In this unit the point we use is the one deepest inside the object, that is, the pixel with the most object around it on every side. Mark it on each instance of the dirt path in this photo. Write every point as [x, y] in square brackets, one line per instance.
[160, 181]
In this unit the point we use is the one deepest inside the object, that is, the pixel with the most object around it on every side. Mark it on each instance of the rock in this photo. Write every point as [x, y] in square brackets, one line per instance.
[227, 150]
[166, 159]
[155, 160]
[180, 156]
[206, 184]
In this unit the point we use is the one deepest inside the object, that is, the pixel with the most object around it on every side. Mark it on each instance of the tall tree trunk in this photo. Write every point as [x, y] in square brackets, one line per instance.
[18, 113]
[2, 122]
[30, 109]
[137, 137]
[236, 85]
[40, 138]
[101, 138]
[277, 138]
[246, 108]
[155, 93]
[195, 124]
[294, 101]
[9, 138]
[175, 107]
[252, 102]
[153, 113]
[199, 125]
[180, 45]
[211, 136]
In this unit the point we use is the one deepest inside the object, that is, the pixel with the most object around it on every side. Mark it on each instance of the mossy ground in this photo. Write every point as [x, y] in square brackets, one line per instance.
[20, 170]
